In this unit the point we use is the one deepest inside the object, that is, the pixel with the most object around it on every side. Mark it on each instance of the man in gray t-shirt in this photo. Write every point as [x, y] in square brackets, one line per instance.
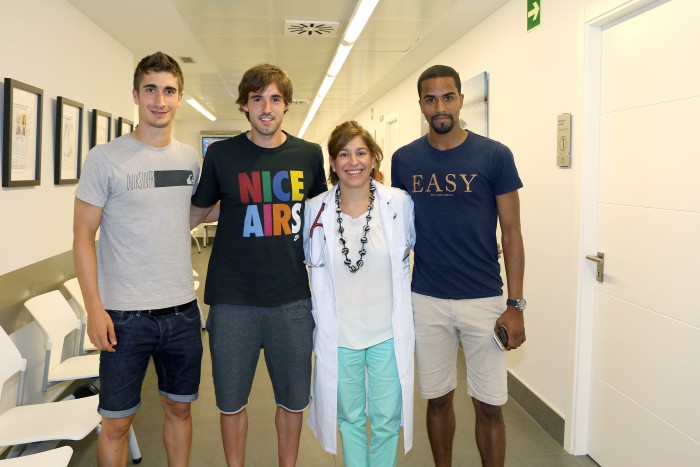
[137, 286]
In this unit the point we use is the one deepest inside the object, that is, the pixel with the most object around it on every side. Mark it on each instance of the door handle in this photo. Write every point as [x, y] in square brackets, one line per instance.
[600, 264]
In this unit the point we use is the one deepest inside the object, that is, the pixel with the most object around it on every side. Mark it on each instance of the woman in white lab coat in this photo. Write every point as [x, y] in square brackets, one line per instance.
[357, 239]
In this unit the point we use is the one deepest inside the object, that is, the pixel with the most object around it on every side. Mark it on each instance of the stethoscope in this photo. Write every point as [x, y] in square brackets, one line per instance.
[317, 262]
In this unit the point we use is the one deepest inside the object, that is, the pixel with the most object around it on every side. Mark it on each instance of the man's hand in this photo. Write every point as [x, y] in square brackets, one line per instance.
[514, 322]
[100, 329]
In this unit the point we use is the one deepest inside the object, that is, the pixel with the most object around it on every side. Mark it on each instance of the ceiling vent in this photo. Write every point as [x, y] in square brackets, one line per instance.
[311, 28]
[186, 59]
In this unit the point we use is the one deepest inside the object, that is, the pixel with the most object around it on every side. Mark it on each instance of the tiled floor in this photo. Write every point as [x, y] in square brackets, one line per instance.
[528, 445]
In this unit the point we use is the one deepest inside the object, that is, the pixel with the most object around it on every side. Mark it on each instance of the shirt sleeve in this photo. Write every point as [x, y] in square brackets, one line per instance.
[319, 185]
[395, 175]
[505, 172]
[208, 191]
[96, 179]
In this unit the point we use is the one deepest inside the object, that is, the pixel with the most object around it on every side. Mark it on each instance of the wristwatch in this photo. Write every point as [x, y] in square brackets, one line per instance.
[519, 303]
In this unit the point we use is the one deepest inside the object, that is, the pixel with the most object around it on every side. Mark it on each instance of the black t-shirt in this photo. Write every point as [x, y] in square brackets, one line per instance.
[258, 256]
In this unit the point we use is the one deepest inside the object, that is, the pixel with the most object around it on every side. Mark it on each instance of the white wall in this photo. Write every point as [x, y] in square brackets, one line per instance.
[532, 78]
[51, 45]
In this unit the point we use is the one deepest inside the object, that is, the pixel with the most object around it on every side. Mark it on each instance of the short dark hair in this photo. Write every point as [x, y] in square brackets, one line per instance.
[440, 71]
[158, 62]
[342, 134]
[258, 78]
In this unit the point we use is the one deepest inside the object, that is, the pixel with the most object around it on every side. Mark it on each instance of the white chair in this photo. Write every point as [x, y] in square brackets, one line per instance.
[206, 227]
[73, 288]
[203, 322]
[56, 319]
[196, 240]
[32, 424]
[58, 457]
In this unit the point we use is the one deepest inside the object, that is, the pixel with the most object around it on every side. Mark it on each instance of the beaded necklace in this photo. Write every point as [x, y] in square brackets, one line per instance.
[344, 250]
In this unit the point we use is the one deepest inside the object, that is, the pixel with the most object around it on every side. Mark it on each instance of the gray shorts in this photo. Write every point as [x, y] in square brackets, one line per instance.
[440, 326]
[236, 335]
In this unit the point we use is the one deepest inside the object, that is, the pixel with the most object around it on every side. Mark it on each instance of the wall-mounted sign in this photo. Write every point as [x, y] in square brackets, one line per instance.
[533, 14]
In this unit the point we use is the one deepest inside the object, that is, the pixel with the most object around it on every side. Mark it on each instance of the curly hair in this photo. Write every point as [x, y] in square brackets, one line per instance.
[259, 77]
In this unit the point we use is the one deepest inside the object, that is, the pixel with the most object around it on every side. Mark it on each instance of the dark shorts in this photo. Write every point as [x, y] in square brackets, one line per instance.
[236, 335]
[175, 343]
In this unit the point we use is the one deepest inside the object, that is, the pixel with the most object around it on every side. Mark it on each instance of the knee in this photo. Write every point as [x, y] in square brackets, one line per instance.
[351, 416]
[441, 404]
[487, 412]
[384, 413]
[115, 429]
[179, 411]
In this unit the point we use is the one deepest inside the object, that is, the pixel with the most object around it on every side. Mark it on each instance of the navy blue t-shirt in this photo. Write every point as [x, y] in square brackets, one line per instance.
[454, 195]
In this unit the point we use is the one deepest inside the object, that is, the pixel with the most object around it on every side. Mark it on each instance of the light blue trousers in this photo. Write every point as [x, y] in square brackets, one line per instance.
[382, 392]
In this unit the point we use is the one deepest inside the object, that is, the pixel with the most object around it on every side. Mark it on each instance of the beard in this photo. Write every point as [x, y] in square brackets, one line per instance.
[442, 127]
[266, 129]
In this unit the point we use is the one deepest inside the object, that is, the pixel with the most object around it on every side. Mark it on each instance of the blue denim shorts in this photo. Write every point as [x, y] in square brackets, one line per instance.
[236, 335]
[175, 343]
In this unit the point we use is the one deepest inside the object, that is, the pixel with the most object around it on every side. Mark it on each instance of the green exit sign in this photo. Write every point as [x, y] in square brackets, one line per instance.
[533, 14]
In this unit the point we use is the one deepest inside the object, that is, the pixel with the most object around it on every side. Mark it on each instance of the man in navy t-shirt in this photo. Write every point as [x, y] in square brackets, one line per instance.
[462, 184]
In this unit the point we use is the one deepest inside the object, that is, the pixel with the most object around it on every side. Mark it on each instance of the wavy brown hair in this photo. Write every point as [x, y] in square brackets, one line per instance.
[258, 78]
[342, 134]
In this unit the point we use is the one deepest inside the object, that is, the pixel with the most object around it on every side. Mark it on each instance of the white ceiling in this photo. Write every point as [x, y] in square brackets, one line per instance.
[226, 37]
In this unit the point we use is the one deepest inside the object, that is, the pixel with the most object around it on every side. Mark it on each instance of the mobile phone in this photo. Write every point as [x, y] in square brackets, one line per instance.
[501, 337]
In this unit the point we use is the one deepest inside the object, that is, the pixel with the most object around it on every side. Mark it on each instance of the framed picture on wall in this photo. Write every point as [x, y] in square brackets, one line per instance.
[474, 115]
[101, 128]
[208, 140]
[21, 147]
[210, 137]
[124, 126]
[69, 141]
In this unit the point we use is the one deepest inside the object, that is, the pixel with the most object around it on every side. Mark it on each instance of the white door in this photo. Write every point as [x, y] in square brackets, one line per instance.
[645, 355]
[391, 144]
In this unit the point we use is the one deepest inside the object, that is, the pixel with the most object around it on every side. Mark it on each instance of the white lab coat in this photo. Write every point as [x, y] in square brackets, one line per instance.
[396, 210]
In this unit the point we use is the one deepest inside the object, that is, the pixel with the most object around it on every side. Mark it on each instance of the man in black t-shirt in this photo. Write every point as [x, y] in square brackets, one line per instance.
[257, 283]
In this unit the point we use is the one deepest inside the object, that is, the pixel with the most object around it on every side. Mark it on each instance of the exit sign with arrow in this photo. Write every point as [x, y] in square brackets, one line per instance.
[533, 14]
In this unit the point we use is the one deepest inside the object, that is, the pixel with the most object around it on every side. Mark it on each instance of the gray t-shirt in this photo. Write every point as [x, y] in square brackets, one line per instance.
[143, 256]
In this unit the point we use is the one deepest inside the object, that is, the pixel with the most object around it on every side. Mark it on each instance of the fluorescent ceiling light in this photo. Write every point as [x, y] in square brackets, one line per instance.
[340, 56]
[200, 108]
[310, 116]
[326, 85]
[359, 19]
[357, 23]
